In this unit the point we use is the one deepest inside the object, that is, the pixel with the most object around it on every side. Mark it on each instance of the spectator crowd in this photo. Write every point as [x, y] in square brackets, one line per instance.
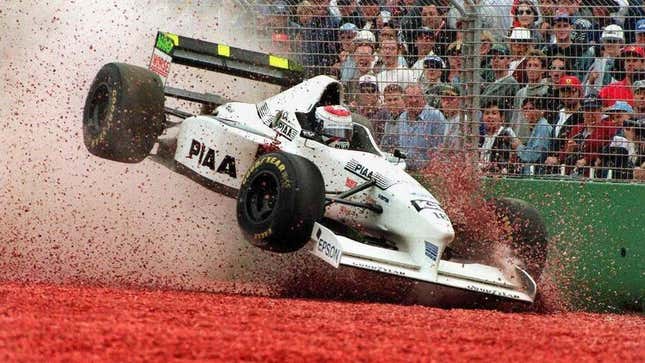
[562, 84]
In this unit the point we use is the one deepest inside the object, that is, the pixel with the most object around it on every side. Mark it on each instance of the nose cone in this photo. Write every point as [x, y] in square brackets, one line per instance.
[419, 214]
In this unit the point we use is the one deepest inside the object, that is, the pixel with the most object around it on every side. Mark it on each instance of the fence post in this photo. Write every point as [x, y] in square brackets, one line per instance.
[472, 63]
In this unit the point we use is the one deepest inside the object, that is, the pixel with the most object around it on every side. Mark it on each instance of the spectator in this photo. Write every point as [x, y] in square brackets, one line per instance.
[600, 72]
[520, 42]
[504, 88]
[494, 146]
[536, 148]
[391, 67]
[367, 100]
[576, 56]
[602, 16]
[388, 32]
[417, 131]
[350, 12]
[431, 79]
[364, 58]
[450, 107]
[526, 16]
[455, 69]
[487, 74]
[318, 33]
[576, 144]
[594, 137]
[433, 17]
[424, 44]
[569, 116]
[393, 100]
[536, 86]
[640, 33]
[639, 99]
[627, 66]
[393, 106]
[629, 162]
[371, 11]
[346, 65]
[547, 9]
[556, 71]
[579, 16]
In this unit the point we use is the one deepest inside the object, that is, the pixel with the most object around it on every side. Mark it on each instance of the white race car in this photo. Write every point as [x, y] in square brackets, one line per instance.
[298, 172]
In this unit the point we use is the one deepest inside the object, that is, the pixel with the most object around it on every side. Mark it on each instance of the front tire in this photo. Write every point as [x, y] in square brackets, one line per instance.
[124, 113]
[280, 198]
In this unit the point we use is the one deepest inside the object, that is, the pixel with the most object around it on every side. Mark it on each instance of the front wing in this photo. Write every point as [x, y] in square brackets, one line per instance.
[339, 250]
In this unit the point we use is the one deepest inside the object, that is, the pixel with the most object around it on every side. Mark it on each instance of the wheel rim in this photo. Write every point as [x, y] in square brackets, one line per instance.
[99, 103]
[263, 194]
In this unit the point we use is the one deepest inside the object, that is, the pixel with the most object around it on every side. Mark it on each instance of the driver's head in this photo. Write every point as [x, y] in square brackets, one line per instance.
[334, 125]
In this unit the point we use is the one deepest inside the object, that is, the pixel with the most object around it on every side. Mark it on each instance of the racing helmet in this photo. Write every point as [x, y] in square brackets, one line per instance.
[334, 125]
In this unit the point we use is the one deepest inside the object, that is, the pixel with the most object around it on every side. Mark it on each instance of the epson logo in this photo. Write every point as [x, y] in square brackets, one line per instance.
[328, 249]
[206, 157]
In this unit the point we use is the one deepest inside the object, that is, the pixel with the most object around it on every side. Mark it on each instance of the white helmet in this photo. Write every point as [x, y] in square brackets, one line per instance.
[612, 32]
[334, 125]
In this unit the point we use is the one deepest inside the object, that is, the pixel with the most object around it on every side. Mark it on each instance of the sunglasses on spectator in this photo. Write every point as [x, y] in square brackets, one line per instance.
[612, 41]
[524, 12]
[557, 68]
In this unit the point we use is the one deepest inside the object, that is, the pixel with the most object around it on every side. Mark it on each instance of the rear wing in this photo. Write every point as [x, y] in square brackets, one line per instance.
[172, 48]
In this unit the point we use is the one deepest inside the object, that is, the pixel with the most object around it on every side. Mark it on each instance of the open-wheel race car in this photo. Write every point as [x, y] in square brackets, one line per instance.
[302, 172]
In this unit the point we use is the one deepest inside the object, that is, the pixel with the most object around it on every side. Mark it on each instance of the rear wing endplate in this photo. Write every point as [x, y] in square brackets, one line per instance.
[172, 48]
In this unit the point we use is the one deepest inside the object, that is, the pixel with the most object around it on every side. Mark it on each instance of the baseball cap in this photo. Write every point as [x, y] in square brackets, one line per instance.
[612, 32]
[638, 85]
[449, 90]
[349, 27]
[632, 49]
[365, 36]
[620, 106]
[592, 103]
[386, 16]
[640, 26]
[570, 82]
[520, 34]
[562, 17]
[499, 49]
[367, 83]
[433, 61]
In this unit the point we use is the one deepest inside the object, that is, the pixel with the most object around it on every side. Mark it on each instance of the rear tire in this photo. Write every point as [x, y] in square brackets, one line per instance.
[529, 234]
[280, 198]
[124, 113]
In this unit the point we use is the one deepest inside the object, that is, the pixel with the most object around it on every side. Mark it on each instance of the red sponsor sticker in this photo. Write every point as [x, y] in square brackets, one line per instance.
[350, 183]
[160, 65]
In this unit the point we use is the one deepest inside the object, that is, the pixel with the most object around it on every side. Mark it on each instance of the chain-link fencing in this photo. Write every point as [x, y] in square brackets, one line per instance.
[532, 87]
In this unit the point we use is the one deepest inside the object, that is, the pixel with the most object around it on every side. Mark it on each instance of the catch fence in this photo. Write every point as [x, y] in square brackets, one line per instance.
[532, 87]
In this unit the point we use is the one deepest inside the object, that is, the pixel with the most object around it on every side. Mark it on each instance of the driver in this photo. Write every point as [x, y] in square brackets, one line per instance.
[334, 125]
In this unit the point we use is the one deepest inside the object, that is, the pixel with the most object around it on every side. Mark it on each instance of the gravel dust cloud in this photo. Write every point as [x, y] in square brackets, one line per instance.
[68, 216]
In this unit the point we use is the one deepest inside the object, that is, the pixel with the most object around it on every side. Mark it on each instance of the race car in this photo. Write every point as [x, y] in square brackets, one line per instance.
[303, 173]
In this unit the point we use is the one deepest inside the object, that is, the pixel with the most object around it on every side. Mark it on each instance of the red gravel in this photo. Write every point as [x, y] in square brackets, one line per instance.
[64, 323]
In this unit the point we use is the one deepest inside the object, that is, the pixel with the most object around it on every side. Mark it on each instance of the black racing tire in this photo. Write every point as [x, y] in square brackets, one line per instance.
[280, 198]
[124, 113]
[529, 234]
